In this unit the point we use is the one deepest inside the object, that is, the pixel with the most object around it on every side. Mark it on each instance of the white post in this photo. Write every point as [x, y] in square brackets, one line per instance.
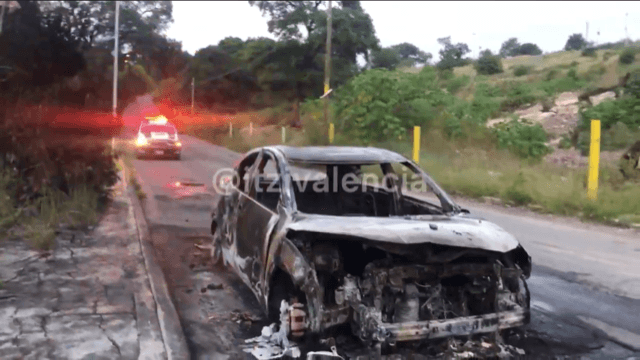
[230, 129]
[250, 129]
[115, 61]
[283, 135]
[193, 84]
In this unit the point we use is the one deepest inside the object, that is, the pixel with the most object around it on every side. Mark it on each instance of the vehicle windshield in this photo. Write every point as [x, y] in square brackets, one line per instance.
[392, 189]
[148, 129]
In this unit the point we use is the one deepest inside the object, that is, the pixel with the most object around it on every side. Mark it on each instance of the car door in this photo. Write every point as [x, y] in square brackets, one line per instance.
[235, 201]
[256, 218]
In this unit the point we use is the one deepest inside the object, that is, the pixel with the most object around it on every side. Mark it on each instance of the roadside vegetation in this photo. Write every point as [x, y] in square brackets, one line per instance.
[453, 103]
[56, 163]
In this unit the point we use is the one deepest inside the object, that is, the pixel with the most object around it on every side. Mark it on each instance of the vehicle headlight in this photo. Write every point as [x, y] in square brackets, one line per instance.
[141, 140]
[178, 144]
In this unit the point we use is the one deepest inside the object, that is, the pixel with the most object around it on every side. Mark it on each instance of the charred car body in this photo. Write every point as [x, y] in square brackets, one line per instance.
[395, 267]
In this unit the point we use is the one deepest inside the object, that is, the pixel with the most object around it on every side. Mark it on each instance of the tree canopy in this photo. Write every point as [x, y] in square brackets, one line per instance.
[575, 42]
[452, 55]
[512, 47]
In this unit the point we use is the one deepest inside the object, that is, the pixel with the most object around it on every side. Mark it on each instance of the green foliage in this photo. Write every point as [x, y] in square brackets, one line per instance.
[452, 55]
[509, 47]
[590, 52]
[488, 64]
[633, 85]
[519, 94]
[551, 74]
[297, 59]
[628, 56]
[512, 47]
[525, 140]
[411, 54]
[522, 70]
[369, 103]
[529, 49]
[624, 110]
[386, 58]
[565, 142]
[457, 83]
[517, 192]
[575, 42]
[607, 55]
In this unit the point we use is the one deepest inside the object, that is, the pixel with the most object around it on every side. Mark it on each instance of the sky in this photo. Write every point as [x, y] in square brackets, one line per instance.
[480, 25]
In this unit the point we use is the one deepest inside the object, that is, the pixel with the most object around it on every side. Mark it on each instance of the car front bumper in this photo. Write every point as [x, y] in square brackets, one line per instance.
[470, 325]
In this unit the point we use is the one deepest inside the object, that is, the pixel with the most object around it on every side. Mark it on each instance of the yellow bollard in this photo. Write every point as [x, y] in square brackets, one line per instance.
[594, 160]
[284, 137]
[416, 144]
[331, 133]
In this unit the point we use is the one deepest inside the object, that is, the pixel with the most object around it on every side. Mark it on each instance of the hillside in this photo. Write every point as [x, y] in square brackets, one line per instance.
[552, 84]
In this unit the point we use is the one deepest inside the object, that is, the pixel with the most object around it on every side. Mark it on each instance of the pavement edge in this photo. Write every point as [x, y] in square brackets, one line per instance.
[175, 342]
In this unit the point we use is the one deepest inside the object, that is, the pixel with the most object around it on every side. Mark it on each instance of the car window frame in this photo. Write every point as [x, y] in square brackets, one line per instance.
[239, 180]
[265, 155]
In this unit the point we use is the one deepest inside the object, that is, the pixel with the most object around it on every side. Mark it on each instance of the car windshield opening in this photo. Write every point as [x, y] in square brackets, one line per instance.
[378, 190]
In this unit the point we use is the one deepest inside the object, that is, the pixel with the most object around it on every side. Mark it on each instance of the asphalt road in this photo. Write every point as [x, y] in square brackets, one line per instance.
[585, 284]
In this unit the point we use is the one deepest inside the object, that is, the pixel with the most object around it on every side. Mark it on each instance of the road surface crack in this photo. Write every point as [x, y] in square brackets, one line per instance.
[108, 337]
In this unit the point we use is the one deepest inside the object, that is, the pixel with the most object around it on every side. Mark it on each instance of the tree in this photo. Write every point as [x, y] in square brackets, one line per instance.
[93, 22]
[412, 54]
[488, 64]
[39, 50]
[529, 49]
[297, 59]
[386, 58]
[452, 54]
[510, 47]
[575, 42]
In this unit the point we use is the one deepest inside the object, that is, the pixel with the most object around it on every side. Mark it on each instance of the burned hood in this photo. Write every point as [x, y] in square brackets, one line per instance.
[458, 230]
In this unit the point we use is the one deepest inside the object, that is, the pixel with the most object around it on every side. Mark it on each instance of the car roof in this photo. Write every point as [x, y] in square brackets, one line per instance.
[338, 154]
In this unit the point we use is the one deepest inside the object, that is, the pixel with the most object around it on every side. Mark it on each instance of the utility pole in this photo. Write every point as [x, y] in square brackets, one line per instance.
[115, 62]
[327, 67]
[587, 35]
[193, 92]
[626, 32]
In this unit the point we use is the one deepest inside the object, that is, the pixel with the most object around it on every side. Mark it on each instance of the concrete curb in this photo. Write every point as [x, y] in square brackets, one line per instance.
[174, 340]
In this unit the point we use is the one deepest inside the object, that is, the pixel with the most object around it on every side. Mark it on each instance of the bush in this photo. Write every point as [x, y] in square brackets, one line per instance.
[633, 85]
[518, 95]
[446, 74]
[607, 55]
[611, 112]
[628, 56]
[529, 49]
[372, 104]
[489, 64]
[551, 74]
[589, 52]
[522, 70]
[525, 140]
[457, 83]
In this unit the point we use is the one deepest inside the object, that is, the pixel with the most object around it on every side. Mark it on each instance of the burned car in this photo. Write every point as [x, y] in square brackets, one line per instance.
[393, 260]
